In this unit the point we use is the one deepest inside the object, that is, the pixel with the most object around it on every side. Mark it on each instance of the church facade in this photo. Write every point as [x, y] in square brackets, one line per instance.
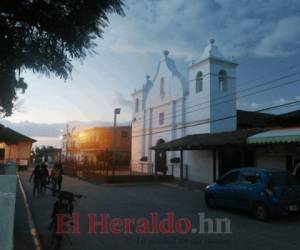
[169, 106]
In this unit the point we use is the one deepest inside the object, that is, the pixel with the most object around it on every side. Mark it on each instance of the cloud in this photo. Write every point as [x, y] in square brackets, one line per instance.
[254, 105]
[283, 41]
[246, 105]
[280, 101]
[260, 28]
[122, 101]
[117, 99]
[49, 134]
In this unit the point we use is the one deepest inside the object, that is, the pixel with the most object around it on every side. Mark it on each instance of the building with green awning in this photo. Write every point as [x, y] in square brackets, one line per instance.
[277, 148]
[276, 136]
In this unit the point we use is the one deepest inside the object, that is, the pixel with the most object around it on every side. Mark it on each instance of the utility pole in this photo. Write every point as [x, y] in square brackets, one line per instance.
[117, 111]
[67, 140]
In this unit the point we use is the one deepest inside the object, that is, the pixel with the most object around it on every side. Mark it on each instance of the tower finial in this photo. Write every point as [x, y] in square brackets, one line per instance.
[211, 41]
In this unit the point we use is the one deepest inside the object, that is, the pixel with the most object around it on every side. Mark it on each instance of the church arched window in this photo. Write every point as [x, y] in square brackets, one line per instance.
[162, 88]
[199, 82]
[137, 104]
[223, 80]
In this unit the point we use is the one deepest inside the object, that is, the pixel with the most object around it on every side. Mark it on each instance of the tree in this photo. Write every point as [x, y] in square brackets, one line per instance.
[39, 153]
[44, 36]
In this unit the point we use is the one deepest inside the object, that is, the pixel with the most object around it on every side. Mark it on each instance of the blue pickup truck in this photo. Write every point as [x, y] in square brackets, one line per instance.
[264, 192]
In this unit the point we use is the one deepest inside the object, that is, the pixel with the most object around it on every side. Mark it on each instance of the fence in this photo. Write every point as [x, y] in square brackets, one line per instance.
[107, 173]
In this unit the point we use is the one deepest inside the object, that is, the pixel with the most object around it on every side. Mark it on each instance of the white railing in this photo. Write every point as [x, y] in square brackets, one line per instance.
[142, 167]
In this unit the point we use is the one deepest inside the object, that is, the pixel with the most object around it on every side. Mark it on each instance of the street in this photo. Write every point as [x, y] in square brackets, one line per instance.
[137, 201]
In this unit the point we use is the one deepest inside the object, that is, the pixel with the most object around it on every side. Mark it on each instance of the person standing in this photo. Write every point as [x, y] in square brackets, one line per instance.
[59, 175]
[36, 175]
[53, 180]
[56, 177]
[44, 177]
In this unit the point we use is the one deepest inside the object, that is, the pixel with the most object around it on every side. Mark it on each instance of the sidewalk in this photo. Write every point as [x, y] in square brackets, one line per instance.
[22, 236]
[186, 185]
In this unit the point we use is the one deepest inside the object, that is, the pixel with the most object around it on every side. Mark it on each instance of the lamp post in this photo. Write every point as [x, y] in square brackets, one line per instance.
[117, 111]
[67, 141]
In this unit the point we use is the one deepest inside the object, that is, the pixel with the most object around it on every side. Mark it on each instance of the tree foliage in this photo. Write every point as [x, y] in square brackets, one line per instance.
[39, 152]
[44, 36]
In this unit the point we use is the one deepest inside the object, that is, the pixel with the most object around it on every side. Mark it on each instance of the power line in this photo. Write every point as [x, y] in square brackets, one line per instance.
[285, 68]
[257, 78]
[250, 94]
[237, 98]
[170, 114]
[217, 120]
[280, 105]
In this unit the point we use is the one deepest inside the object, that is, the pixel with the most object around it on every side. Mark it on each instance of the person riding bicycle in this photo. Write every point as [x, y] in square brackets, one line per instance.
[64, 207]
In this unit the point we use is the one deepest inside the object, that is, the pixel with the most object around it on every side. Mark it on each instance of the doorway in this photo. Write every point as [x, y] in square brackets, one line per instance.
[160, 159]
[231, 158]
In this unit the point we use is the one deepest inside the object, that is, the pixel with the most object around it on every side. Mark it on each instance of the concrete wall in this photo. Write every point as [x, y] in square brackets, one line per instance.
[265, 159]
[17, 152]
[8, 186]
[200, 165]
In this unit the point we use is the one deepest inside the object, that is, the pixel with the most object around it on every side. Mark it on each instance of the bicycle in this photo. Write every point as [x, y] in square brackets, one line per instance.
[63, 206]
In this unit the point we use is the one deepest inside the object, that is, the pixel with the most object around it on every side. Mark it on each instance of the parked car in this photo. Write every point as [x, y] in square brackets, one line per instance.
[264, 192]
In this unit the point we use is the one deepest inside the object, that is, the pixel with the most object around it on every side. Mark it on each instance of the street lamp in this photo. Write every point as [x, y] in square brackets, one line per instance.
[117, 111]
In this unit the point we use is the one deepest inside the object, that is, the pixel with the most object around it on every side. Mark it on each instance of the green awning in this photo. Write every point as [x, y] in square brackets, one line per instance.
[287, 135]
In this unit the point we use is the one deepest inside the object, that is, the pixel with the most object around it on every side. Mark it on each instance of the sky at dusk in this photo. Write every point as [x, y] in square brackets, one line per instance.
[263, 36]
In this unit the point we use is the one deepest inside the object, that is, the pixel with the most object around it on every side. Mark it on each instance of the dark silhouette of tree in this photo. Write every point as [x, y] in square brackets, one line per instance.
[39, 152]
[44, 36]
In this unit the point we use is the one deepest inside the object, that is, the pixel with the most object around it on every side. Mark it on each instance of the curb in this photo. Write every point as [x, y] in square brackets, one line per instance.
[178, 186]
[32, 228]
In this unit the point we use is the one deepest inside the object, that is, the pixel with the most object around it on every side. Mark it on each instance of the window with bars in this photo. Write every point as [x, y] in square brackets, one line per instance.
[223, 85]
[137, 104]
[199, 82]
[161, 118]
[162, 88]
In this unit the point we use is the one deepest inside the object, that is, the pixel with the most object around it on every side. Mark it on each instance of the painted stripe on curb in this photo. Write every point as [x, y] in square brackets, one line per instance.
[31, 225]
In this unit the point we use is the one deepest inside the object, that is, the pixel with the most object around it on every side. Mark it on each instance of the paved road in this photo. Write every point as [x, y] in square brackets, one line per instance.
[140, 201]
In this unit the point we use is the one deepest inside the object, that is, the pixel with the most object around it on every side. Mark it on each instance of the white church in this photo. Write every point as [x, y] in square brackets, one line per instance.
[168, 107]
[191, 128]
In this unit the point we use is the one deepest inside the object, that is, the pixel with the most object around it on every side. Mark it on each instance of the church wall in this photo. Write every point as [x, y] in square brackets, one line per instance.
[169, 103]
[136, 152]
[172, 88]
[197, 104]
[137, 132]
[223, 103]
[201, 110]
[197, 129]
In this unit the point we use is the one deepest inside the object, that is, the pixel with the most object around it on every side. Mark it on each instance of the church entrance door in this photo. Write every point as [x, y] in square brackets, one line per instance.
[160, 159]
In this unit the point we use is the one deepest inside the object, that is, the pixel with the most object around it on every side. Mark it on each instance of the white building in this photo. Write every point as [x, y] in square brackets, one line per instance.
[168, 107]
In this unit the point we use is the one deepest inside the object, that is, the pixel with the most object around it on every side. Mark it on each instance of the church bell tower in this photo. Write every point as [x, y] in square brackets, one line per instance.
[213, 89]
